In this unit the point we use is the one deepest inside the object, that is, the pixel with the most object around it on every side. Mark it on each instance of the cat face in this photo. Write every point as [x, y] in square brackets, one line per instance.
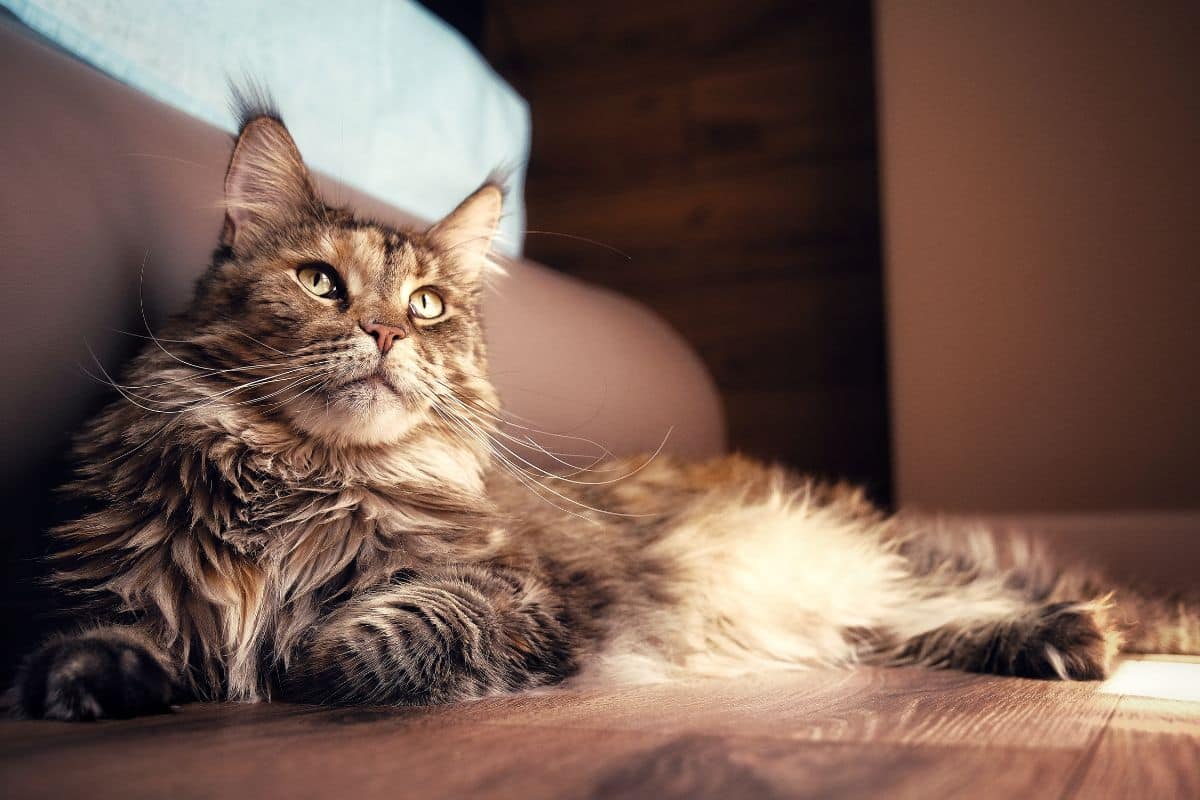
[354, 331]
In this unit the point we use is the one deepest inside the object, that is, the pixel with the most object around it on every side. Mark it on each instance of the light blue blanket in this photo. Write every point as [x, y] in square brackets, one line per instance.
[378, 93]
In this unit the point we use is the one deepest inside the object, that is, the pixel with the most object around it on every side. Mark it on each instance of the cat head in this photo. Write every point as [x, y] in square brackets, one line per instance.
[361, 329]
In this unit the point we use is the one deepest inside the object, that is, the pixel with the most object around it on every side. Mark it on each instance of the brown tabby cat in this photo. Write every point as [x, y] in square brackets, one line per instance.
[303, 493]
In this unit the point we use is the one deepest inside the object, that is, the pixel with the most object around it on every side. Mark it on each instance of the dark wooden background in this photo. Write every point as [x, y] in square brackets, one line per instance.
[728, 147]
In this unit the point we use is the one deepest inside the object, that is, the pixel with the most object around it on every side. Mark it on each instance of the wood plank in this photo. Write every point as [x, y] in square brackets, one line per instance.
[673, 264]
[867, 732]
[866, 705]
[797, 203]
[831, 431]
[604, 138]
[801, 109]
[784, 332]
[745, 767]
[360, 754]
[535, 43]
[1151, 748]
[837, 735]
[713, 123]
[385, 756]
[21, 739]
[559, 47]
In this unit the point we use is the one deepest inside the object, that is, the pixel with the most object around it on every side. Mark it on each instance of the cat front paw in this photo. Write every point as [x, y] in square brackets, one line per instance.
[102, 674]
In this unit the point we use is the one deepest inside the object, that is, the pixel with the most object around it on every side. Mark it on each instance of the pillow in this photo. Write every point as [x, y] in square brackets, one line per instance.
[379, 93]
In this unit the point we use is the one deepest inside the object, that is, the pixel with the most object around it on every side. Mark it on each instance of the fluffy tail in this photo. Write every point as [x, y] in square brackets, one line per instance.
[1169, 624]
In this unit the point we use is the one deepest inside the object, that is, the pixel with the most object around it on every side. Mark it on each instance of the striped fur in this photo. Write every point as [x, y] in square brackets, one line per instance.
[281, 509]
[442, 635]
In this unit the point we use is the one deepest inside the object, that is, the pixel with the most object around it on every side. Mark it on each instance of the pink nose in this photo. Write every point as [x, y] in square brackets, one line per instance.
[384, 335]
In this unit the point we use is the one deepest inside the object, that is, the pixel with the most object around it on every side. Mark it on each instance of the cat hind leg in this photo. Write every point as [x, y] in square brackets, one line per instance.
[1057, 641]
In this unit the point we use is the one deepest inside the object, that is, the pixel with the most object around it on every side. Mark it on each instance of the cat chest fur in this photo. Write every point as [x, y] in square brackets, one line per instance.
[232, 555]
[312, 548]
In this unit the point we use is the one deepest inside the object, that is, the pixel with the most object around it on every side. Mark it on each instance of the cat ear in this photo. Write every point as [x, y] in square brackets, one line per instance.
[465, 235]
[267, 185]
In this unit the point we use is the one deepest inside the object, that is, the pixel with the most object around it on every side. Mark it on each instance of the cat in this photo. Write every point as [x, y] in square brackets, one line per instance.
[302, 492]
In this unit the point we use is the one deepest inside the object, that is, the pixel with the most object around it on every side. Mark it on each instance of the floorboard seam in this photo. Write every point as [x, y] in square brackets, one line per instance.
[1089, 753]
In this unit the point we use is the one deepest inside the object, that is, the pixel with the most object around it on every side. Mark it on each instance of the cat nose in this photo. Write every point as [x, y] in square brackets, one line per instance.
[384, 335]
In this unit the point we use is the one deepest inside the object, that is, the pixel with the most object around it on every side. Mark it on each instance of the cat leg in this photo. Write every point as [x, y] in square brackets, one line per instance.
[1012, 612]
[456, 634]
[1064, 641]
[107, 672]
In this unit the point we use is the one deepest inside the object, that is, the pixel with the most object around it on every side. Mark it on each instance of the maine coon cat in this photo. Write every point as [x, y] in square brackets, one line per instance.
[302, 493]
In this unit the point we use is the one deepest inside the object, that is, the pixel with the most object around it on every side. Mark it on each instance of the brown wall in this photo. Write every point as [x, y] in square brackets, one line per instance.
[1041, 183]
[728, 147]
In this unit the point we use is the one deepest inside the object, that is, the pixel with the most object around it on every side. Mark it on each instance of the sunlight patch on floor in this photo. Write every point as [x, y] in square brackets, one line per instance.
[1166, 677]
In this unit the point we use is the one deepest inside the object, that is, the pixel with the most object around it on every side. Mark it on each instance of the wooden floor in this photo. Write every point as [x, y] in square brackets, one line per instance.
[884, 733]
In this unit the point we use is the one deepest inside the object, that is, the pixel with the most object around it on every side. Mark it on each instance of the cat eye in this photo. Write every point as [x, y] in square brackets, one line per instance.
[425, 303]
[321, 279]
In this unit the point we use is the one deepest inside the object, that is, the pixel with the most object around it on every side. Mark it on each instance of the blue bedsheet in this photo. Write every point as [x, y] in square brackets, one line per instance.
[379, 93]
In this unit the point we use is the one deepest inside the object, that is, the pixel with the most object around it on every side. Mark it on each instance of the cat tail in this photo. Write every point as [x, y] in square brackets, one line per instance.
[1158, 624]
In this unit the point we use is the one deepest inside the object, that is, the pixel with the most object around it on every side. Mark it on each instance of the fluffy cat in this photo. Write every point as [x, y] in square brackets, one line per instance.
[301, 494]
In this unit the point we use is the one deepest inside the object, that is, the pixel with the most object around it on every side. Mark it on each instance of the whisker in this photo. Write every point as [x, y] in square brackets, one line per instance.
[302, 379]
[579, 471]
[533, 445]
[117, 386]
[176, 159]
[133, 450]
[527, 482]
[584, 239]
[193, 341]
[585, 483]
[559, 457]
[517, 471]
[200, 402]
[240, 332]
[146, 321]
[318, 381]
[507, 413]
[529, 428]
[148, 338]
[208, 374]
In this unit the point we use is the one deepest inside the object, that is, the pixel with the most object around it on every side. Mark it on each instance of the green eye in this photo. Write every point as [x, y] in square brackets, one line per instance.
[425, 303]
[321, 279]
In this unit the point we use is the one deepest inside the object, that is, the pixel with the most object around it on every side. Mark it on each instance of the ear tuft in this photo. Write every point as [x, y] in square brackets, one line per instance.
[466, 233]
[249, 99]
[267, 186]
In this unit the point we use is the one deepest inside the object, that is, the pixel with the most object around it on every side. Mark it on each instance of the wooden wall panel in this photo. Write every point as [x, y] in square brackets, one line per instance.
[728, 148]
